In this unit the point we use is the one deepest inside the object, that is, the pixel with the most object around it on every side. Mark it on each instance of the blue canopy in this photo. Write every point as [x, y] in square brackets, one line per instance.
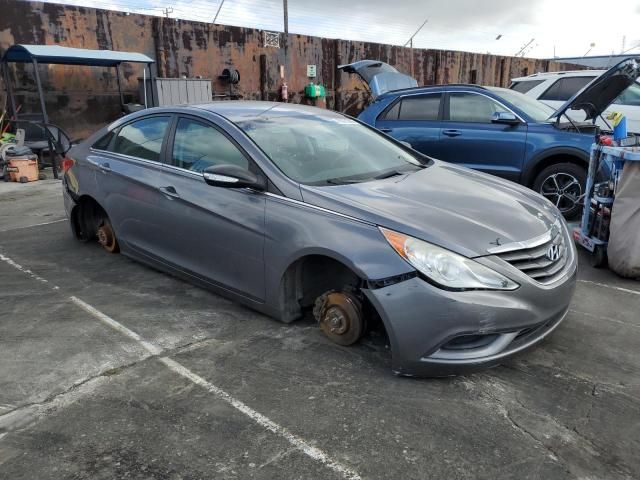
[71, 56]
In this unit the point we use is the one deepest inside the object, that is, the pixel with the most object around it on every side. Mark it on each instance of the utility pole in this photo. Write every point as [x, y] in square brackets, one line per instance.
[523, 50]
[218, 11]
[167, 11]
[410, 42]
[285, 8]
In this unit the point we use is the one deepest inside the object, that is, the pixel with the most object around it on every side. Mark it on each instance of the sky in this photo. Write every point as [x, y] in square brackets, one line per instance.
[542, 28]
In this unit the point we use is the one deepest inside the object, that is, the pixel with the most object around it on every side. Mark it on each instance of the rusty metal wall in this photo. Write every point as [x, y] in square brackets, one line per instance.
[81, 98]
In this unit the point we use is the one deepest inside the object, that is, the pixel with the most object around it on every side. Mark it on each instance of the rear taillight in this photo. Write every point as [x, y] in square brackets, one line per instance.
[67, 163]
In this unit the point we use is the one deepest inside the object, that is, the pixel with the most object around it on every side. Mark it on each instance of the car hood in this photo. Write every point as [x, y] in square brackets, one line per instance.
[456, 208]
[596, 96]
[381, 77]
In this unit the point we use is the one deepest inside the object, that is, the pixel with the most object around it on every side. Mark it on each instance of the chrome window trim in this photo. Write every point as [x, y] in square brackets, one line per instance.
[315, 207]
[126, 157]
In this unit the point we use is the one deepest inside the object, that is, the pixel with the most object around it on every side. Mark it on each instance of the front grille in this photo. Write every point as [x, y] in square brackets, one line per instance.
[539, 261]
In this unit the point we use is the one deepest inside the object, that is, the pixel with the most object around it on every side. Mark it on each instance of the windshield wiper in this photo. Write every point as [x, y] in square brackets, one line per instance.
[396, 171]
[340, 181]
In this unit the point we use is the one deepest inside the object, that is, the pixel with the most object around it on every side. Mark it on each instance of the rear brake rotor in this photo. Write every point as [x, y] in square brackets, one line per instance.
[340, 317]
[107, 238]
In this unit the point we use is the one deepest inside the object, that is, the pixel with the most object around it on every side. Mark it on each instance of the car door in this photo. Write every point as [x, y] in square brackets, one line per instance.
[128, 172]
[214, 233]
[469, 137]
[414, 119]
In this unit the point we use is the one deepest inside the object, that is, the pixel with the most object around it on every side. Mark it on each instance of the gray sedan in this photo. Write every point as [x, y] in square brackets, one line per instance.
[291, 209]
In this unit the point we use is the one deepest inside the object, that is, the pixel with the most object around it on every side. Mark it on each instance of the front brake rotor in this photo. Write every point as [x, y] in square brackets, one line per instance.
[340, 317]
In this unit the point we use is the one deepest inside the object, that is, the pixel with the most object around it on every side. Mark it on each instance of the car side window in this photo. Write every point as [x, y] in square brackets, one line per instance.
[142, 138]
[525, 85]
[197, 146]
[392, 113]
[565, 88]
[425, 107]
[103, 143]
[630, 97]
[472, 107]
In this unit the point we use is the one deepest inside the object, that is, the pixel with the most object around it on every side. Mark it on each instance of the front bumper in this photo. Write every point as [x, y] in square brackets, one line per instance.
[435, 332]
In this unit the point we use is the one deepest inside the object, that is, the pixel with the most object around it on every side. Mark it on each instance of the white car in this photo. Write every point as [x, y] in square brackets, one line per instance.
[555, 88]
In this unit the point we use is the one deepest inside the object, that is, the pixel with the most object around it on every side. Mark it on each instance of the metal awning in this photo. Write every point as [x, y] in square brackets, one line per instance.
[71, 56]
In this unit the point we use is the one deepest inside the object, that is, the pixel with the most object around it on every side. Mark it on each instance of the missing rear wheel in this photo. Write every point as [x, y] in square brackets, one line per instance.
[107, 237]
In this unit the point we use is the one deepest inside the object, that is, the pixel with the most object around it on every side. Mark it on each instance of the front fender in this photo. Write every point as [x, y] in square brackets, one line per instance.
[294, 230]
[533, 162]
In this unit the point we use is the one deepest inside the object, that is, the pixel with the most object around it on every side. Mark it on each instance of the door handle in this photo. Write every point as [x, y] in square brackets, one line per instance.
[386, 130]
[169, 191]
[451, 133]
[104, 167]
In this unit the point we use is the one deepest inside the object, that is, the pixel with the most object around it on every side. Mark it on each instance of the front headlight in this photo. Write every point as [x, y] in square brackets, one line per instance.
[445, 268]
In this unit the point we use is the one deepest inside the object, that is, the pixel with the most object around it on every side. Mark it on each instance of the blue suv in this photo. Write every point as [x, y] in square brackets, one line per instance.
[495, 130]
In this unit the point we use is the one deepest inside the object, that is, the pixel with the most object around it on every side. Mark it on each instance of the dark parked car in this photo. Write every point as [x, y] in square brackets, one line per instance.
[495, 130]
[290, 209]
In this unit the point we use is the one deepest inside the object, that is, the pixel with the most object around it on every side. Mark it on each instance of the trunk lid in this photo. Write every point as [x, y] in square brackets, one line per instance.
[380, 76]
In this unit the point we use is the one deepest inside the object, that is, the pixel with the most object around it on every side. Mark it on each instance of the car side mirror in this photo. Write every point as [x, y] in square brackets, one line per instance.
[507, 118]
[232, 176]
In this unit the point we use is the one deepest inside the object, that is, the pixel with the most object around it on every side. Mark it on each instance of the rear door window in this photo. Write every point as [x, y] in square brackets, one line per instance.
[197, 146]
[142, 138]
[565, 88]
[525, 85]
[103, 143]
[423, 107]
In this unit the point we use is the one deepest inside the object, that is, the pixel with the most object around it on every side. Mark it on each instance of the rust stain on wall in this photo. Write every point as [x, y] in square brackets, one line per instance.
[82, 99]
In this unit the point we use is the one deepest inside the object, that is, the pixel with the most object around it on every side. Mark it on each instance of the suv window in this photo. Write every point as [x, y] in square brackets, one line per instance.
[197, 146]
[631, 96]
[424, 107]
[142, 139]
[565, 88]
[525, 85]
[472, 107]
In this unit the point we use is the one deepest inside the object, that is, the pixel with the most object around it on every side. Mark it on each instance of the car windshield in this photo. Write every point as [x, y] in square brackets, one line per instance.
[538, 111]
[327, 149]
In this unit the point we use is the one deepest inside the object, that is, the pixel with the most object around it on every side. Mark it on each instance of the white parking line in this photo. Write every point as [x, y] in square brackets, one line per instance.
[152, 349]
[19, 267]
[297, 442]
[34, 225]
[620, 289]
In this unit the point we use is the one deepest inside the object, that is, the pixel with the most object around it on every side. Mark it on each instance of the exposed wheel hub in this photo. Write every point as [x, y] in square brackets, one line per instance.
[340, 317]
[107, 238]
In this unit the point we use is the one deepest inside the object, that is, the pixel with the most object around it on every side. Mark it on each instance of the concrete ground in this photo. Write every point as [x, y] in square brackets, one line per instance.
[109, 369]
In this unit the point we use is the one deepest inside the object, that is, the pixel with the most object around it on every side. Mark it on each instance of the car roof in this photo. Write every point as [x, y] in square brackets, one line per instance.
[241, 110]
[568, 73]
[431, 88]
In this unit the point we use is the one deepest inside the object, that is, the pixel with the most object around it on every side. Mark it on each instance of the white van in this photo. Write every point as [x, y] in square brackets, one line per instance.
[555, 88]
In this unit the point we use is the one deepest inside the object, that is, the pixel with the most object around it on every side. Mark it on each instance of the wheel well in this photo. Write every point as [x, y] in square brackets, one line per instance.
[308, 278]
[551, 160]
[87, 217]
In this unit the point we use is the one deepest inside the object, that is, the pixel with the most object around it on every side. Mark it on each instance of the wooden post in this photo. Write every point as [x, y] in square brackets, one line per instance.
[263, 77]
[337, 77]
[120, 88]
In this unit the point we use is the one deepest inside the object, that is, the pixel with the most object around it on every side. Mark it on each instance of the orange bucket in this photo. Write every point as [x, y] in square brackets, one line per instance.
[23, 169]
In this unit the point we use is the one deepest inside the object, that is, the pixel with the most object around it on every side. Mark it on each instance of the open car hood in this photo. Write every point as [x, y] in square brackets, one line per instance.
[381, 77]
[596, 96]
